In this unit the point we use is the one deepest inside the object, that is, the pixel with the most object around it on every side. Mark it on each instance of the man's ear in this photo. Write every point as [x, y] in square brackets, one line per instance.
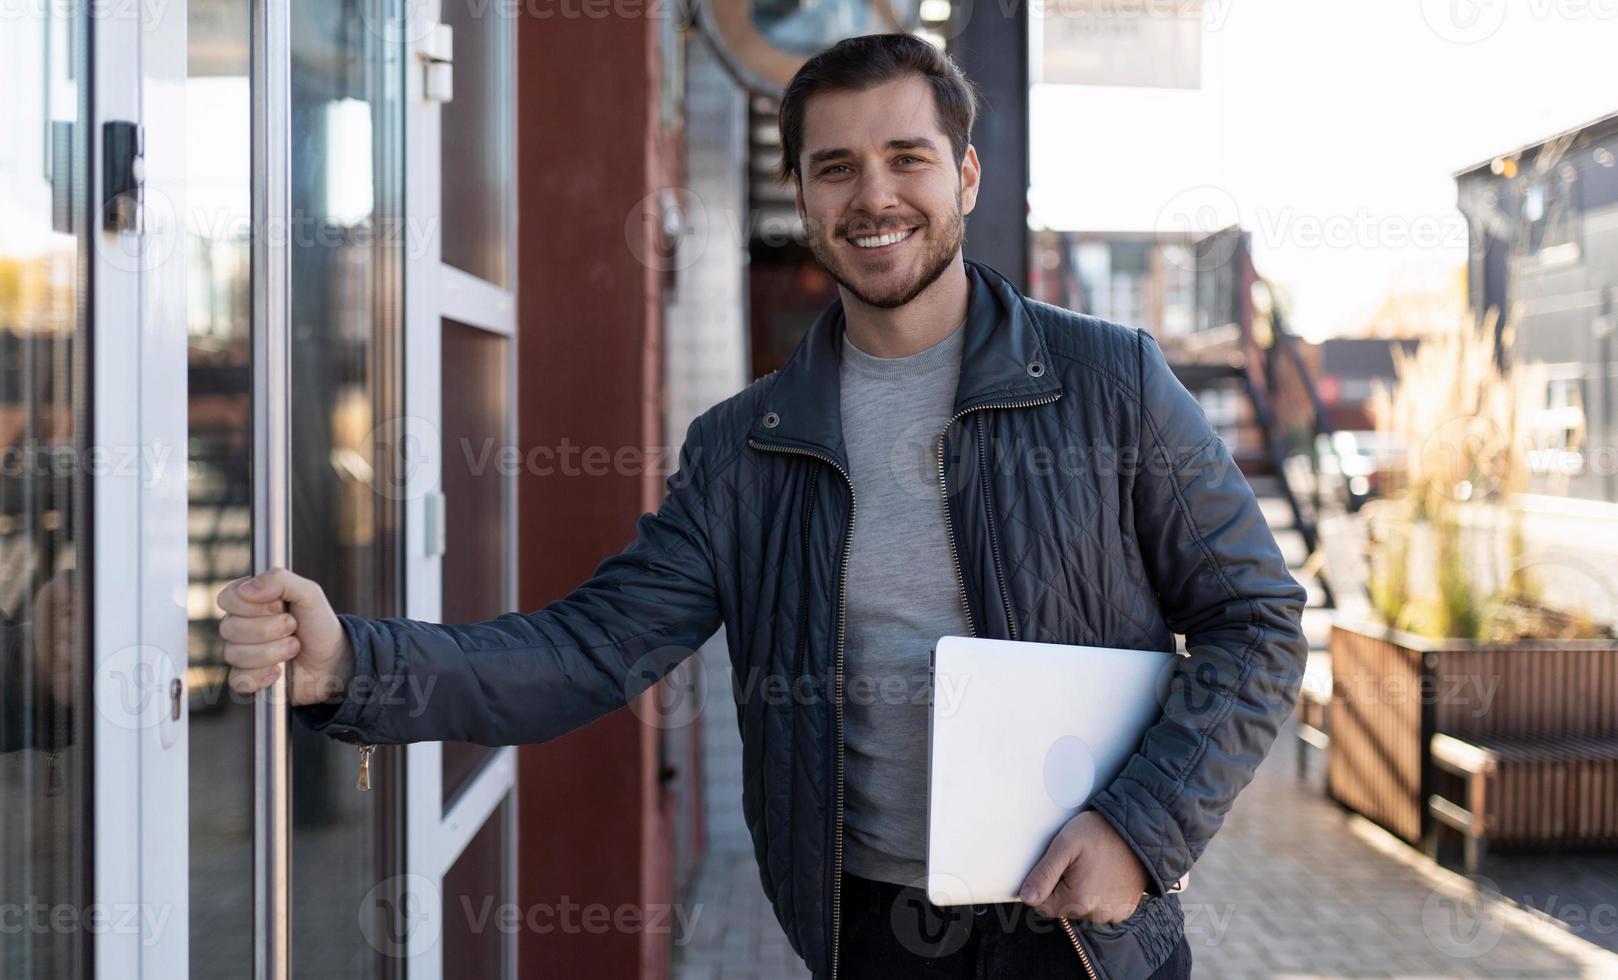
[971, 174]
[797, 194]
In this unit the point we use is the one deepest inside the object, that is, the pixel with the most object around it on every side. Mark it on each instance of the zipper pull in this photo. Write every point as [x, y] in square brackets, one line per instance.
[363, 784]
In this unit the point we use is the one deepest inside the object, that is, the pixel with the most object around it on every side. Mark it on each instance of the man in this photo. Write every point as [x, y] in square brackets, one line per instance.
[1070, 490]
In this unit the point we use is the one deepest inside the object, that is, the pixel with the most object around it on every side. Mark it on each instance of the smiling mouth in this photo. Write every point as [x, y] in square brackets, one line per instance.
[886, 240]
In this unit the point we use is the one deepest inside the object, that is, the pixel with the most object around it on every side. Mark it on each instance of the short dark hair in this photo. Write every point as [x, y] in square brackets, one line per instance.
[858, 63]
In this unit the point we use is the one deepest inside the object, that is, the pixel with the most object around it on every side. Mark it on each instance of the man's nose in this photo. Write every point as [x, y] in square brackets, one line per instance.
[875, 192]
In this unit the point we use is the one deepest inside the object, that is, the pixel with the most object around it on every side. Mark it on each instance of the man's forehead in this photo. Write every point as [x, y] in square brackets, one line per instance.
[902, 109]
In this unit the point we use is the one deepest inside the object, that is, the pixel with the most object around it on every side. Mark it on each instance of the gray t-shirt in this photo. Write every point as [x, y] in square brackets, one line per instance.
[902, 596]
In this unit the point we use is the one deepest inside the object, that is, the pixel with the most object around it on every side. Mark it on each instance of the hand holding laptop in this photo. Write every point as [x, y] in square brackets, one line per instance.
[1088, 872]
[1022, 735]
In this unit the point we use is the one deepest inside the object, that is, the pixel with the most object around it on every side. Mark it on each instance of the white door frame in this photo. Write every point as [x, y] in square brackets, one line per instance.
[435, 837]
[138, 521]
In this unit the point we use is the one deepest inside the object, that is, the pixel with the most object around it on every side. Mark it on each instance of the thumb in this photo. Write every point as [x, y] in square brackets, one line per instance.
[1042, 880]
[278, 583]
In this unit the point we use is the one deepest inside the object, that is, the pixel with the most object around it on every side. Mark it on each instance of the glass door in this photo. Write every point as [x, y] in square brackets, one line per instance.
[45, 785]
[92, 509]
[338, 237]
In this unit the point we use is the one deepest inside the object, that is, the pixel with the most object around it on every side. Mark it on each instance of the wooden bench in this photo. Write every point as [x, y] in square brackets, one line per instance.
[1525, 790]
[1393, 695]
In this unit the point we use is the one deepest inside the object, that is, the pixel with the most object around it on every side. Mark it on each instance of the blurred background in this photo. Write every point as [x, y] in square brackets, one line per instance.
[529, 241]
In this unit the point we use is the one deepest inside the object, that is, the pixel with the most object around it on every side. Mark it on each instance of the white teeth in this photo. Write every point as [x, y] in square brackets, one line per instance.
[877, 241]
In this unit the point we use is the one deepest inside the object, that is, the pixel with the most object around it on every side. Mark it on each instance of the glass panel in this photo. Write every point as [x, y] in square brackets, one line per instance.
[218, 323]
[476, 174]
[44, 782]
[474, 893]
[475, 482]
[345, 307]
[347, 128]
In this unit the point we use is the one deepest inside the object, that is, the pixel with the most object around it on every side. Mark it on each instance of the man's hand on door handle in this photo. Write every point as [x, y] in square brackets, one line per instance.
[276, 618]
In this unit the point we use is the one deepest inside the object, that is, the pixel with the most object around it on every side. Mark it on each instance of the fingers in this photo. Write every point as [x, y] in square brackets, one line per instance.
[233, 602]
[252, 681]
[1041, 881]
[275, 584]
[1079, 895]
[254, 656]
[257, 629]
[1065, 899]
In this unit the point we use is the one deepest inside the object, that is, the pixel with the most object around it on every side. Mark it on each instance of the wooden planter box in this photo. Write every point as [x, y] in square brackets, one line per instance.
[1393, 691]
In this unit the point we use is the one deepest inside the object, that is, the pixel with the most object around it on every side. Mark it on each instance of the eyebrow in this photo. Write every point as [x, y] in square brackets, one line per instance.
[907, 143]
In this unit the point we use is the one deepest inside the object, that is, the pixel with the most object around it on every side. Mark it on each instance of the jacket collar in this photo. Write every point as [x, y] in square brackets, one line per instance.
[1003, 360]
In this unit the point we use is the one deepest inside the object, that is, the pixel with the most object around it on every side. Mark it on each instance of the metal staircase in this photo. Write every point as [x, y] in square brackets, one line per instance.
[1243, 344]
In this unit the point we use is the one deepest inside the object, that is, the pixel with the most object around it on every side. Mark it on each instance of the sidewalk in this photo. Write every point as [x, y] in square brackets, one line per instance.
[1292, 886]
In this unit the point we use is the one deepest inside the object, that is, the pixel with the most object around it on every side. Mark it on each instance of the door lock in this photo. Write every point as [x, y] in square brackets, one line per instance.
[122, 176]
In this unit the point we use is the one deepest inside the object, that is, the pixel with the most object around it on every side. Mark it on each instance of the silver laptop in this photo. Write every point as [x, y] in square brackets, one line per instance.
[1022, 735]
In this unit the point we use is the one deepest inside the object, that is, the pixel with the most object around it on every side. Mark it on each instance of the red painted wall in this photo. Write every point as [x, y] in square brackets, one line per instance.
[592, 827]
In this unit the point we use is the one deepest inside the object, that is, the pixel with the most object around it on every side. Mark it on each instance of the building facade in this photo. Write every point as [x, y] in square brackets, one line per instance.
[1543, 267]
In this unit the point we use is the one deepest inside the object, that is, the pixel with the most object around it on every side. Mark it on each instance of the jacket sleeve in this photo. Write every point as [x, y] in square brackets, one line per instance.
[529, 677]
[1222, 582]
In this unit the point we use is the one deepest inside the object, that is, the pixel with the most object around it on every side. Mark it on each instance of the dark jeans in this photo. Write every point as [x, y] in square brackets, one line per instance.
[892, 931]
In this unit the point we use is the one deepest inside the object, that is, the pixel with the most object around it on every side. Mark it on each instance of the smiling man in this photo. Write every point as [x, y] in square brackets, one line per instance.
[891, 484]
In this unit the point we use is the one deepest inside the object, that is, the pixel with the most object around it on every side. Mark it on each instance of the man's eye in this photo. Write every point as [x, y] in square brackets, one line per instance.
[831, 170]
[910, 159]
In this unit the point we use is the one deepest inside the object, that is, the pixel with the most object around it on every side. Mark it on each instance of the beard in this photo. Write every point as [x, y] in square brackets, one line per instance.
[940, 252]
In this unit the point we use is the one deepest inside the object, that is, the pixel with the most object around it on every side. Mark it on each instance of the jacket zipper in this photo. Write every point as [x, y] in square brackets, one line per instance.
[949, 527]
[1005, 599]
[994, 538]
[803, 613]
[837, 691]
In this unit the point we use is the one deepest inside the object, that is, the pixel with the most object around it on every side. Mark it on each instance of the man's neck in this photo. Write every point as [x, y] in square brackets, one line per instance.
[915, 326]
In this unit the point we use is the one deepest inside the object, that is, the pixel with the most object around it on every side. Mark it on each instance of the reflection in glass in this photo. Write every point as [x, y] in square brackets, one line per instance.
[476, 180]
[44, 804]
[476, 529]
[346, 287]
[218, 253]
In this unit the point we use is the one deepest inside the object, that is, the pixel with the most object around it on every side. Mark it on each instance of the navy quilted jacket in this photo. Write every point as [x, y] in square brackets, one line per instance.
[1088, 502]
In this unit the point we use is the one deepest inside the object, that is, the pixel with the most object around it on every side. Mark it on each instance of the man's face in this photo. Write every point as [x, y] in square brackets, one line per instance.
[879, 192]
